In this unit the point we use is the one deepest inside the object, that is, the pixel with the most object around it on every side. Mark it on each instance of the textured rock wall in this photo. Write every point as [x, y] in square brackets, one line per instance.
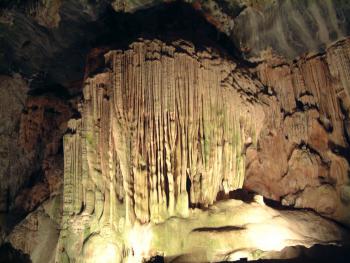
[13, 162]
[309, 136]
[40, 37]
[32, 168]
[290, 27]
[163, 129]
[39, 227]
[43, 123]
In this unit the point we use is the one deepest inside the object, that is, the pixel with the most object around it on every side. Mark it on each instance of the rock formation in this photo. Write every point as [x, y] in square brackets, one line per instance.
[12, 160]
[43, 36]
[38, 228]
[43, 123]
[165, 128]
[147, 151]
[310, 135]
[162, 130]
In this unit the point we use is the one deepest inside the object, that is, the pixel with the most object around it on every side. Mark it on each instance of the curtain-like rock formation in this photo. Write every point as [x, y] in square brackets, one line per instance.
[163, 129]
[166, 131]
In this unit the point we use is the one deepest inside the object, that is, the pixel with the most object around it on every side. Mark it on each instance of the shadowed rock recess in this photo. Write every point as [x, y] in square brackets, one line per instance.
[147, 131]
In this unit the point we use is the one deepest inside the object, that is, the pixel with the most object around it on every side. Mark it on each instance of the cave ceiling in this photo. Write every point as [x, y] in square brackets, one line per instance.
[47, 41]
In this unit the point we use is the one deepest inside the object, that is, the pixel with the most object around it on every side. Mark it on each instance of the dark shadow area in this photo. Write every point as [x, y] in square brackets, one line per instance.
[156, 259]
[218, 229]
[340, 150]
[317, 253]
[297, 254]
[238, 194]
[10, 255]
[54, 59]
[242, 194]
[277, 205]
[167, 22]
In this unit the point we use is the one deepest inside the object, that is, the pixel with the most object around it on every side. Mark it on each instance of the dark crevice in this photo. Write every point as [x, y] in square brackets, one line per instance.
[340, 150]
[188, 189]
[218, 229]
[8, 254]
[300, 108]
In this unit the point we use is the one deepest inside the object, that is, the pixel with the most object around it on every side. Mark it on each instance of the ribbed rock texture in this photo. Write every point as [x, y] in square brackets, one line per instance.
[163, 129]
[165, 132]
[302, 159]
[167, 128]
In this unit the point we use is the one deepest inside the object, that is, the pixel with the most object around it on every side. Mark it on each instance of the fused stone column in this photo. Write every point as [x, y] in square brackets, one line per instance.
[163, 128]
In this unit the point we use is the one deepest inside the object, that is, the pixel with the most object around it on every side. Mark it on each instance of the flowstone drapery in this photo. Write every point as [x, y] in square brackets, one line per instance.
[163, 129]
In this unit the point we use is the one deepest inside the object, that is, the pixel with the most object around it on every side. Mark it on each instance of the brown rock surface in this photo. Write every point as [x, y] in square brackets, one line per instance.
[14, 164]
[43, 123]
[166, 128]
[304, 158]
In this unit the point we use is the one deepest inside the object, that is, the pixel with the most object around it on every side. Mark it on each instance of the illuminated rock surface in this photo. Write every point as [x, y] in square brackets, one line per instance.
[309, 138]
[140, 156]
[164, 129]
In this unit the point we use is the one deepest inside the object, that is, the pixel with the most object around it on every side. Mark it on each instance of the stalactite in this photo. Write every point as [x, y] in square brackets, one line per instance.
[162, 130]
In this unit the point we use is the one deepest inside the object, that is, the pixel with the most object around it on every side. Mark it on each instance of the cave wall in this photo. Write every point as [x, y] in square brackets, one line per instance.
[279, 127]
[309, 136]
[40, 37]
[13, 161]
[290, 27]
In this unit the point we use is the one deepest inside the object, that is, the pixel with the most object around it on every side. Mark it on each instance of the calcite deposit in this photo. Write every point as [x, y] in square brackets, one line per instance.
[163, 129]
[302, 158]
[167, 130]
[185, 129]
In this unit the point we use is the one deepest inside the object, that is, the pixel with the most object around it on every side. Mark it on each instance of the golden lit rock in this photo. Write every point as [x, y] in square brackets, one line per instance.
[162, 130]
[163, 135]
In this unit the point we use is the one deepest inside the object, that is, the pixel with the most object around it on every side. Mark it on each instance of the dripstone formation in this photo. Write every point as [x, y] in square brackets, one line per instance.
[167, 132]
[116, 146]
[162, 129]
